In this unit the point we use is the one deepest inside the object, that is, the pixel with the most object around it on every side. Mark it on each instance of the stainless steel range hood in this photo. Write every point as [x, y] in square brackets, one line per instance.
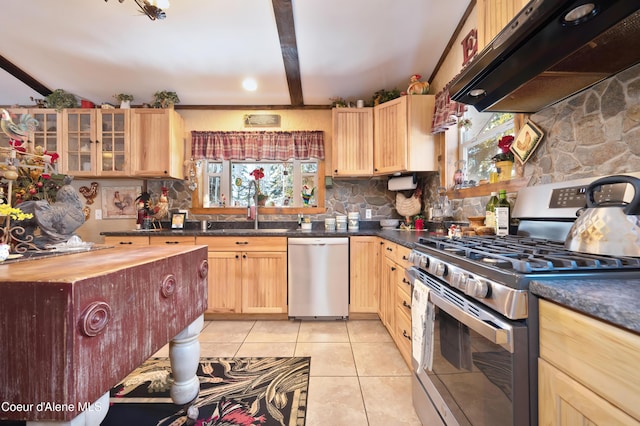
[551, 50]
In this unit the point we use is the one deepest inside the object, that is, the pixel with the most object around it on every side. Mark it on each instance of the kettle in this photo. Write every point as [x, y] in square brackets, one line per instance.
[608, 227]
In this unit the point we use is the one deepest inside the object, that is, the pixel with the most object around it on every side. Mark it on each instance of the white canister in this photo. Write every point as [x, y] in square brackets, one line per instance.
[353, 220]
[341, 222]
[330, 224]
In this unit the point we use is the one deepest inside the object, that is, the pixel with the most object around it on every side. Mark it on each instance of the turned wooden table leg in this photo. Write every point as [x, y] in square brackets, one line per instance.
[184, 354]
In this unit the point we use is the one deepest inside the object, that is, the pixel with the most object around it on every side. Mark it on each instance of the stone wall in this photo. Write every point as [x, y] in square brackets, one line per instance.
[595, 132]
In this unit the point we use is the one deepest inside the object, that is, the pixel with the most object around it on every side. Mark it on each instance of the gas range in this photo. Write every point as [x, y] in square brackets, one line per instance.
[497, 270]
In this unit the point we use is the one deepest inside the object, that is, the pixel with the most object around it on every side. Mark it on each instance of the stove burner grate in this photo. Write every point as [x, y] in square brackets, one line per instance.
[526, 254]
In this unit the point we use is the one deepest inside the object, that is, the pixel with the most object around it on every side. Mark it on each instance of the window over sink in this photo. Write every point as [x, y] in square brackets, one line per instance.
[226, 183]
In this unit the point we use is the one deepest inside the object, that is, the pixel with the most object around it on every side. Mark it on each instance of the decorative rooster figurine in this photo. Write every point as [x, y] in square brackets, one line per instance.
[417, 87]
[18, 132]
[409, 206]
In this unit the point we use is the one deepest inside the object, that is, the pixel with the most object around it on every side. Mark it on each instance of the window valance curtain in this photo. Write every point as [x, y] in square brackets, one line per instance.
[447, 111]
[280, 146]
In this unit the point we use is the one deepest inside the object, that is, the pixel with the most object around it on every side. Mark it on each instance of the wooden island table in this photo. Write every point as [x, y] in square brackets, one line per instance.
[72, 326]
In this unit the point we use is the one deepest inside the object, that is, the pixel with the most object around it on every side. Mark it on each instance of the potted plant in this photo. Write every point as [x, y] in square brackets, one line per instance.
[504, 160]
[165, 99]
[124, 99]
[59, 99]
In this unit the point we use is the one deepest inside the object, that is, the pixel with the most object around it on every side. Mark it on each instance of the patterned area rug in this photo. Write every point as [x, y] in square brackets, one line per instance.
[233, 391]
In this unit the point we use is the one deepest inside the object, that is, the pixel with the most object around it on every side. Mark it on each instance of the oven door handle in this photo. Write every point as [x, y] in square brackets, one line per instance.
[498, 336]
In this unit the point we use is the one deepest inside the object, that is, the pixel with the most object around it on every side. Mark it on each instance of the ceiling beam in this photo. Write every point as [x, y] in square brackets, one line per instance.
[287, 32]
[12, 69]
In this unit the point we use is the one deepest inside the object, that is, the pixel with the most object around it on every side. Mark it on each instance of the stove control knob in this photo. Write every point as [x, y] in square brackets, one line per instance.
[441, 269]
[423, 262]
[459, 280]
[477, 288]
[413, 258]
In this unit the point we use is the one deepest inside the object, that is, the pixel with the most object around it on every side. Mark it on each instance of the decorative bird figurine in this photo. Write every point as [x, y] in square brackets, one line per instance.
[19, 132]
[417, 87]
[59, 220]
[161, 209]
[409, 206]
[89, 193]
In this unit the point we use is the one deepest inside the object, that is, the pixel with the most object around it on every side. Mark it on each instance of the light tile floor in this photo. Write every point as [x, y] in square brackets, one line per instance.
[358, 376]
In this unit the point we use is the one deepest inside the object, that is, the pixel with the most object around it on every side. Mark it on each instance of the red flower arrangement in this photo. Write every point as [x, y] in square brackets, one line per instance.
[505, 147]
[257, 173]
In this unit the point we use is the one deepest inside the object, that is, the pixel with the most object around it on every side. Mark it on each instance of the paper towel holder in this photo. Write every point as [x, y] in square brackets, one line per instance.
[401, 183]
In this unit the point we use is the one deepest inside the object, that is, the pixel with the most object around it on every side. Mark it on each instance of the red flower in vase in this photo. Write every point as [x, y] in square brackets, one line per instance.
[505, 147]
[257, 173]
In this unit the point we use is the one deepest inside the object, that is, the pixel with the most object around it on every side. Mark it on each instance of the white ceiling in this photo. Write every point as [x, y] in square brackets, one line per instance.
[205, 48]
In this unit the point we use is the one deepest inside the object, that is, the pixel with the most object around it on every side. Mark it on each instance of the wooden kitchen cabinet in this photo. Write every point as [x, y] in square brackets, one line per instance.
[171, 240]
[157, 143]
[95, 142]
[352, 147]
[249, 275]
[48, 131]
[586, 371]
[402, 135]
[126, 240]
[364, 274]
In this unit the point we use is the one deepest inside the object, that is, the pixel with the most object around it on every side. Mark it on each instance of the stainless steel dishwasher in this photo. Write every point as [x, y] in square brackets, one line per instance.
[318, 278]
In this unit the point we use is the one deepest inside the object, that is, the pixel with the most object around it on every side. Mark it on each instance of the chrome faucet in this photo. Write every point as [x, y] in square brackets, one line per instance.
[255, 202]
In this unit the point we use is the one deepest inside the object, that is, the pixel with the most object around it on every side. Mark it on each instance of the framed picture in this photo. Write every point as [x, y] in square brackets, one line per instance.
[527, 141]
[177, 220]
[119, 202]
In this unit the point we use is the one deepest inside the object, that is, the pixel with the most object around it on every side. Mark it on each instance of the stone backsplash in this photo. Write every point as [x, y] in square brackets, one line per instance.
[593, 133]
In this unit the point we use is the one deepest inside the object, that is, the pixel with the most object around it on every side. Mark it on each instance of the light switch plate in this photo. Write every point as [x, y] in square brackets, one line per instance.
[98, 214]
[367, 214]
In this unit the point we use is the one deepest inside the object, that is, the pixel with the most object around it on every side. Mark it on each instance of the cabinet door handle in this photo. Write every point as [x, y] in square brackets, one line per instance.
[405, 335]
[404, 280]
[393, 268]
[389, 249]
[404, 257]
[172, 242]
[125, 242]
[242, 242]
[406, 305]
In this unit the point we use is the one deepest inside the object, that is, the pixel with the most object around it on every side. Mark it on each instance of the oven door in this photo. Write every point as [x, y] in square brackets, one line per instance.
[474, 362]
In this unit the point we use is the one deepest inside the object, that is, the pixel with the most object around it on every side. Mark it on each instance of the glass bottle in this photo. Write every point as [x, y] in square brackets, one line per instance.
[503, 214]
[490, 211]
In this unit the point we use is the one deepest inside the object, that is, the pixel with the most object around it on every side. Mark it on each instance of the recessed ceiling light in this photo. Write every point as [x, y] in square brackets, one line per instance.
[250, 84]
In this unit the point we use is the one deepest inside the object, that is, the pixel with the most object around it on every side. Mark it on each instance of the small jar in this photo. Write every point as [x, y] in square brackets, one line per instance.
[341, 223]
[353, 221]
[330, 224]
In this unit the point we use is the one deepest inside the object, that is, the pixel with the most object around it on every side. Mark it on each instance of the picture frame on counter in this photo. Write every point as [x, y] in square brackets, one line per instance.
[177, 220]
[119, 202]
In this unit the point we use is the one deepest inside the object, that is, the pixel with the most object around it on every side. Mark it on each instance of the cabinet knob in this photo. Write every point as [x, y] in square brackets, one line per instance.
[335, 171]
[406, 335]
[406, 305]
[393, 268]
[244, 256]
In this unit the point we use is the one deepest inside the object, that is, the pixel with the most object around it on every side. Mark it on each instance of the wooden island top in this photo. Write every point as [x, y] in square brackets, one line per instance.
[72, 326]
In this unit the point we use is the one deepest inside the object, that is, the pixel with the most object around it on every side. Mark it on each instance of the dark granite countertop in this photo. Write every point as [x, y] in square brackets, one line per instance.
[402, 237]
[615, 300]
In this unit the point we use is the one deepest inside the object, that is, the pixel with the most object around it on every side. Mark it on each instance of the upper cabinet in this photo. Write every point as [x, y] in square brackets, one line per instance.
[493, 16]
[158, 143]
[95, 142]
[402, 135]
[47, 132]
[352, 150]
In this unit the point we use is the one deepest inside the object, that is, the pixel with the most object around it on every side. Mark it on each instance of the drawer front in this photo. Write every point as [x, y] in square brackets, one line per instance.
[171, 240]
[244, 243]
[592, 352]
[403, 297]
[403, 335]
[389, 249]
[127, 240]
[402, 256]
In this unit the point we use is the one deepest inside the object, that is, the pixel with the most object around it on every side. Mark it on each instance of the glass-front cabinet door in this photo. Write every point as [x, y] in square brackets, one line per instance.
[113, 147]
[96, 142]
